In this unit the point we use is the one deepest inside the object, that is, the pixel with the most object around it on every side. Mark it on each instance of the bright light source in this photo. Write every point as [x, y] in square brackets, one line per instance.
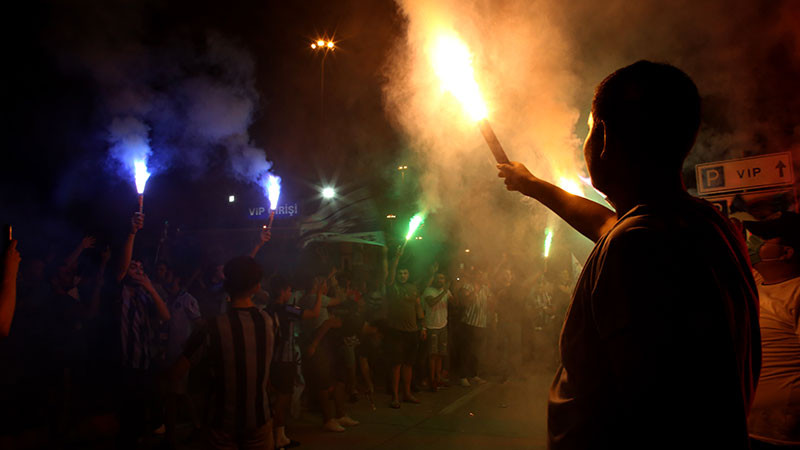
[313, 46]
[419, 238]
[330, 44]
[140, 175]
[452, 62]
[328, 193]
[231, 198]
[273, 187]
[548, 240]
[416, 221]
[391, 216]
[466, 251]
[320, 43]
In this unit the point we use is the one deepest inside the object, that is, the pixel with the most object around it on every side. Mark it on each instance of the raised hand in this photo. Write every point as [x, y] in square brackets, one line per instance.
[266, 235]
[517, 176]
[137, 222]
[88, 242]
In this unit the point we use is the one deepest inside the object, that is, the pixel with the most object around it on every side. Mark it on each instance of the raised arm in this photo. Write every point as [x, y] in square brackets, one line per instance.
[137, 222]
[589, 218]
[72, 259]
[264, 237]
[320, 288]
[161, 307]
[393, 266]
[8, 288]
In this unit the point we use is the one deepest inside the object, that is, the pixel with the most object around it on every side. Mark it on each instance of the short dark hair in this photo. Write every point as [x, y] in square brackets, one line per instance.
[658, 107]
[277, 284]
[241, 274]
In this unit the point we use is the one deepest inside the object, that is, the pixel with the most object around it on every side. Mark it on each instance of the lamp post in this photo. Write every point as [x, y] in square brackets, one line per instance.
[321, 45]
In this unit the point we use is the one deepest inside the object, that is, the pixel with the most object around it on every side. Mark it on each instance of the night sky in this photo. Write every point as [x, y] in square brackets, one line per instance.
[57, 113]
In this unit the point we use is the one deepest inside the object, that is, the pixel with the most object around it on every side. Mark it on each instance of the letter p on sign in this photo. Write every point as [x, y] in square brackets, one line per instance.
[713, 176]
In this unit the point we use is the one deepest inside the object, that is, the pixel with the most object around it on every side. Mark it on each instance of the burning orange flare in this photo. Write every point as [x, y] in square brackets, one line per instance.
[452, 62]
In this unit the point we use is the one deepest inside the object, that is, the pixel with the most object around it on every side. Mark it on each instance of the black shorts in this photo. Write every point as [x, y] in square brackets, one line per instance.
[401, 346]
[281, 376]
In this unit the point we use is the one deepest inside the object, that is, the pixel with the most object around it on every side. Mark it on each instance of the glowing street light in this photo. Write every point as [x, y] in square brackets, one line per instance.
[328, 193]
[231, 198]
[325, 47]
[391, 216]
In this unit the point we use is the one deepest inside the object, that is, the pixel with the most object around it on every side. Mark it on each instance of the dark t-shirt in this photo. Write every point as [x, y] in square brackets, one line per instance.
[660, 346]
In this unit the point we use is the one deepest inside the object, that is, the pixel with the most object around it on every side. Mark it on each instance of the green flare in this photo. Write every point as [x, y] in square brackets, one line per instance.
[414, 224]
[548, 240]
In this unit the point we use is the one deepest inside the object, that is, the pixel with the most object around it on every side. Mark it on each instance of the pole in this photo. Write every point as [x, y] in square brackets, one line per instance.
[494, 145]
[271, 216]
[141, 203]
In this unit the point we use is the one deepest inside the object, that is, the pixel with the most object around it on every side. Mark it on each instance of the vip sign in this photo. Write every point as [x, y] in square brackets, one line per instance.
[745, 174]
[260, 212]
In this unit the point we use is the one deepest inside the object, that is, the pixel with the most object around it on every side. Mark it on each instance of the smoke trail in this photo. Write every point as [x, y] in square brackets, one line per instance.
[182, 103]
[537, 64]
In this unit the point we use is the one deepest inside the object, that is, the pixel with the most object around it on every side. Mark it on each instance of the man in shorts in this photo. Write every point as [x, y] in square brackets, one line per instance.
[404, 330]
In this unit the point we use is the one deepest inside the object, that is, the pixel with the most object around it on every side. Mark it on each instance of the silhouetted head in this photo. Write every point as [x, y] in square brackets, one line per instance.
[242, 277]
[644, 122]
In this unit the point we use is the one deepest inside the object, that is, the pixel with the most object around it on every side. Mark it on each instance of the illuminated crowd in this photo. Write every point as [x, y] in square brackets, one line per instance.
[118, 346]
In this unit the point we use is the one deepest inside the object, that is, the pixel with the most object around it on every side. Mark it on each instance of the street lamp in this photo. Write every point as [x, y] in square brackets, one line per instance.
[328, 193]
[402, 169]
[325, 47]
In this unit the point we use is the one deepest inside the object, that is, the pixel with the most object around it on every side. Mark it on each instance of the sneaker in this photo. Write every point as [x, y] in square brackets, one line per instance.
[347, 421]
[465, 382]
[478, 380]
[333, 426]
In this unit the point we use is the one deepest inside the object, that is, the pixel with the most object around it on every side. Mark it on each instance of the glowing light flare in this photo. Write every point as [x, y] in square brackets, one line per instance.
[313, 46]
[140, 175]
[570, 185]
[328, 193]
[413, 225]
[548, 241]
[273, 191]
[330, 44]
[320, 43]
[452, 63]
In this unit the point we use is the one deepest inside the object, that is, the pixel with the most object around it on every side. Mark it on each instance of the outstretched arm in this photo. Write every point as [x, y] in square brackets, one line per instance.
[393, 266]
[137, 222]
[589, 218]
[8, 288]
[264, 237]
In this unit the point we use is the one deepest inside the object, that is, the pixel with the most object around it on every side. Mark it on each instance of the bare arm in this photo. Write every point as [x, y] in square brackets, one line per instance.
[264, 237]
[8, 288]
[161, 306]
[72, 259]
[393, 267]
[314, 312]
[589, 218]
[432, 301]
[137, 222]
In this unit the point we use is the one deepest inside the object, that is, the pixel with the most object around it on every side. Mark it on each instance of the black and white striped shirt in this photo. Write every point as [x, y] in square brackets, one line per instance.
[239, 345]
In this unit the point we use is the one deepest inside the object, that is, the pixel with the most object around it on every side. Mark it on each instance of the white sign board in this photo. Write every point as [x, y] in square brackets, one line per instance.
[747, 173]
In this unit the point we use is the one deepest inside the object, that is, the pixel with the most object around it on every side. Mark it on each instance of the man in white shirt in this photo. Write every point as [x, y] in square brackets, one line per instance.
[434, 303]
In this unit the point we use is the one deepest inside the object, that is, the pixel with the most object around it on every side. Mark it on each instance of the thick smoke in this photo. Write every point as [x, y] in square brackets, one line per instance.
[537, 64]
[177, 104]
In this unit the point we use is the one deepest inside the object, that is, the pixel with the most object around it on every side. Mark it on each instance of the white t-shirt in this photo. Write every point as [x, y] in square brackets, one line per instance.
[775, 414]
[436, 315]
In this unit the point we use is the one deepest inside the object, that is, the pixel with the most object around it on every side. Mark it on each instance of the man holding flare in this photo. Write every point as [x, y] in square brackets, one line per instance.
[660, 347]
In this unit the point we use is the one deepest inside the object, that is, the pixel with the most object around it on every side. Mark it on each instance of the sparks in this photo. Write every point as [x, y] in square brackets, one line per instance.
[273, 190]
[548, 241]
[452, 62]
[414, 224]
[140, 175]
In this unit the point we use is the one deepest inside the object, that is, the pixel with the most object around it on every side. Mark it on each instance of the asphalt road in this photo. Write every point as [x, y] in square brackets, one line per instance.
[508, 415]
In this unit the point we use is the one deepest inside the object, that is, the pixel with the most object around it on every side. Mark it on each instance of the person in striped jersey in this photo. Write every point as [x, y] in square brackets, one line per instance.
[239, 346]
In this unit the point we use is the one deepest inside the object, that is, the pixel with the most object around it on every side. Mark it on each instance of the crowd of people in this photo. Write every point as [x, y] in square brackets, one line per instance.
[664, 343]
[108, 343]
